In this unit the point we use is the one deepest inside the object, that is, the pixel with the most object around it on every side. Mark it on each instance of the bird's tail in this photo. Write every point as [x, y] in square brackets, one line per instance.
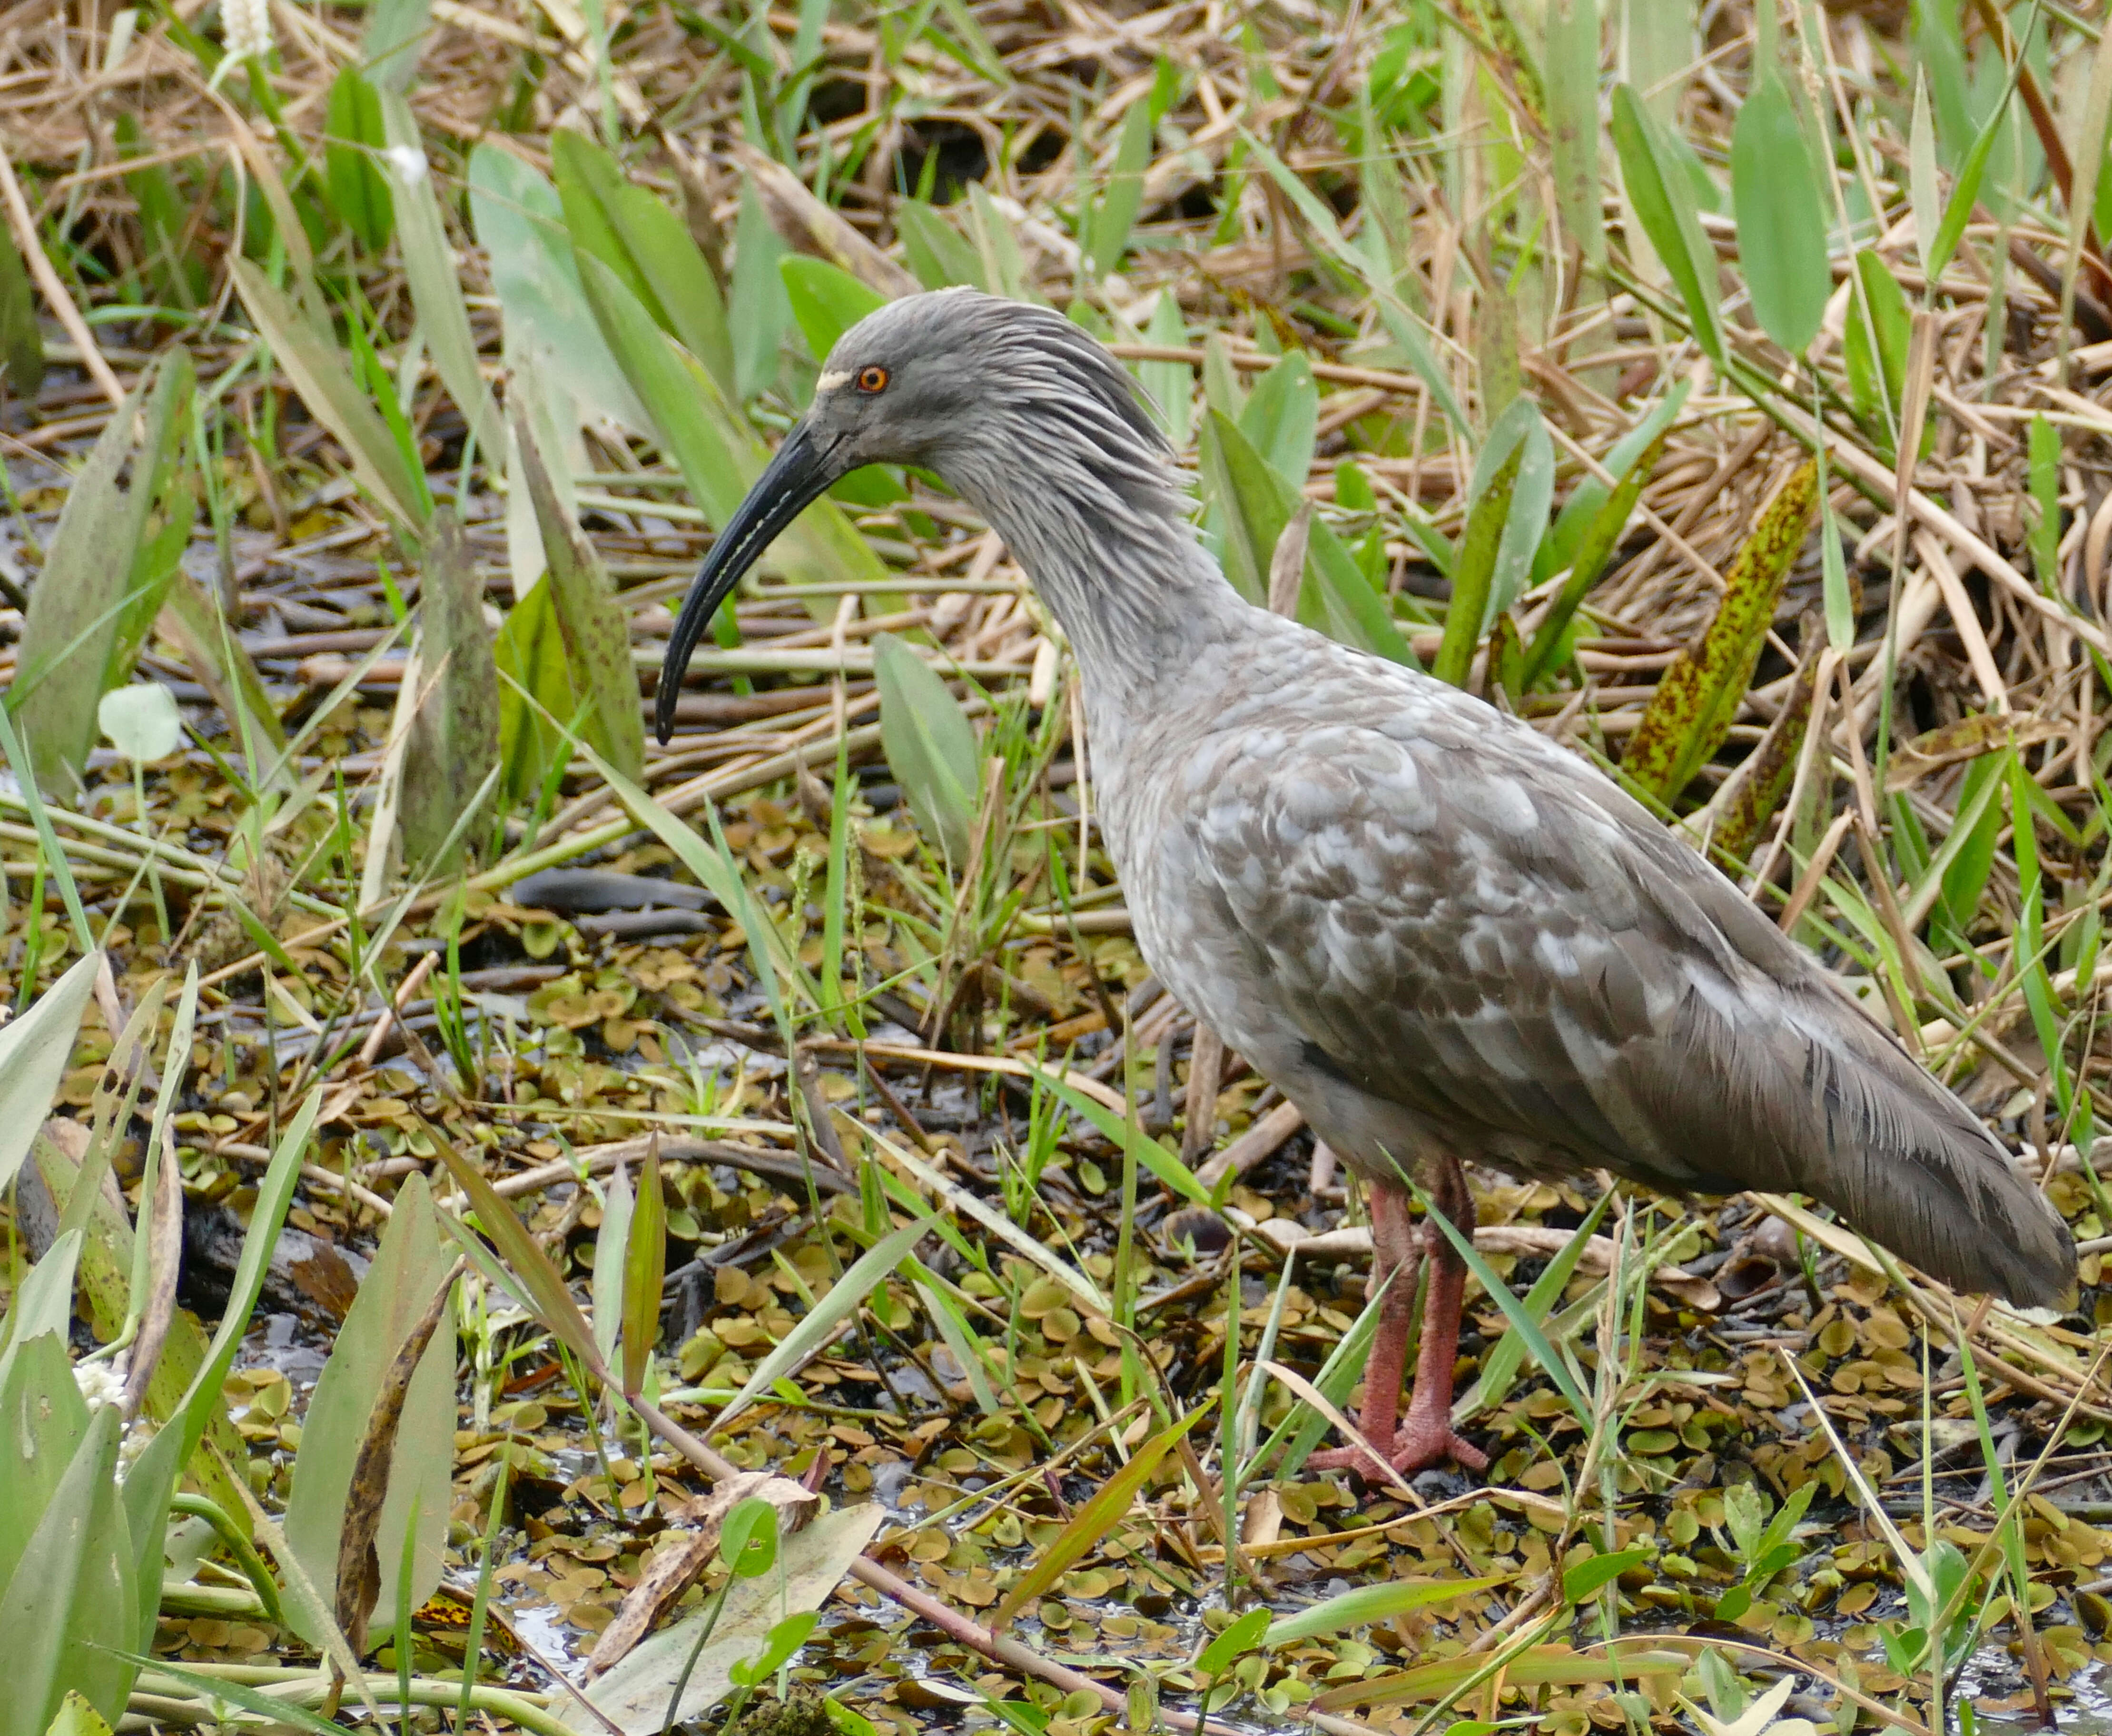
[1908, 1165]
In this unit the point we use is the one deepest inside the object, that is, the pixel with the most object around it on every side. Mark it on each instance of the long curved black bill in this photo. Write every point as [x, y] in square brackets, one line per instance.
[797, 476]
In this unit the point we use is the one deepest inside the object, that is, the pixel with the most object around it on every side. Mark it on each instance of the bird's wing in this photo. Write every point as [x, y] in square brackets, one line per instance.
[1462, 919]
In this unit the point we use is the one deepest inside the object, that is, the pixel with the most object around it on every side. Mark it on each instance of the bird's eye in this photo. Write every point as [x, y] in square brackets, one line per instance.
[872, 380]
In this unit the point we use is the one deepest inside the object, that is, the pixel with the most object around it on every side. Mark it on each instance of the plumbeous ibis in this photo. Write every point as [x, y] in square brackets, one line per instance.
[1439, 934]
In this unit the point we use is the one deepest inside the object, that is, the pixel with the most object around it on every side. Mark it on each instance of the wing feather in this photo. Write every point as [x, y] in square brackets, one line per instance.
[1469, 923]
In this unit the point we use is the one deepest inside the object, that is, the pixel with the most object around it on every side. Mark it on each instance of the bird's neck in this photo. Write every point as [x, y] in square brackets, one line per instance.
[1120, 570]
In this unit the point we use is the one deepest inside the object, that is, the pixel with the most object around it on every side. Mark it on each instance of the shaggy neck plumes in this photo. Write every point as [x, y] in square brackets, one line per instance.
[1102, 532]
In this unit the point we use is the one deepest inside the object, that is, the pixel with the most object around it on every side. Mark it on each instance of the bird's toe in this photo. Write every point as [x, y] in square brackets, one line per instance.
[1412, 1450]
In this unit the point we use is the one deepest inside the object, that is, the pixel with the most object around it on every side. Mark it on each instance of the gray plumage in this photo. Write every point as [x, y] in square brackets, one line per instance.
[1439, 934]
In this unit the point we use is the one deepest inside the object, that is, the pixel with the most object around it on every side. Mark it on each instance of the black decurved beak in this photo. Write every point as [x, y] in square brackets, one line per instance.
[793, 480]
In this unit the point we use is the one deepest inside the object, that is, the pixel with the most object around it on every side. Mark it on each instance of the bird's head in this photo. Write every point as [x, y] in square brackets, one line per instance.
[998, 398]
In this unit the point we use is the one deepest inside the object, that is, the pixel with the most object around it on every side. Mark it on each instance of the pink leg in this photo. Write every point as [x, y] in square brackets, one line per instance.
[1426, 1437]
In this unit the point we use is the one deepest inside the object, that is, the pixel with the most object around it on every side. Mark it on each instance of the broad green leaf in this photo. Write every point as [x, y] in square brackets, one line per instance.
[930, 745]
[1590, 524]
[535, 685]
[1690, 710]
[1492, 493]
[1573, 120]
[407, 1269]
[552, 335]
[1239, 484]
[34, 1046]
[1586, 1577]
[1280, 416]
[1833, 578]
[43, 1301]
[1874, 348]
[709, 440]
[394, 40]
[1662, 198]
[1004, 263]
[826, 300]
[758, 309]
[315, 365]
[1369, 1604]
[1340, 599]
[1965, 191]
[647, 246]
[2086, 193]
[747, 1540]
[1924, 196]
[1255, 500]
[1091, 1523]
[70, 1606]
[103, 577]
[453, 742]
[421, 240]
[612, 1250]
[644, 1267]
[353, 138]
[1171, 384]
[1781, 214]
[823, 1323]
[1120, 199]
[1971, 844]
[938, 253]
[1525, 521]
[597, 638]
[2043, 448]
[105, 1287]
[21, 341]
[43, 1420]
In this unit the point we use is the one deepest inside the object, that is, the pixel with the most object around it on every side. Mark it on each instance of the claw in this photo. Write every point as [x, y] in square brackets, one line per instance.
[1410, 1454]
[1413, 1449]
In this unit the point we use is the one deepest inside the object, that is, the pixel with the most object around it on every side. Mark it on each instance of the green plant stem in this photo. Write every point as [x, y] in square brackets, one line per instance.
[239, 1546]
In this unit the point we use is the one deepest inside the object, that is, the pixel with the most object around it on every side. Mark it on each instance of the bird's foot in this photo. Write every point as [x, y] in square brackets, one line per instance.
[1416, 1447]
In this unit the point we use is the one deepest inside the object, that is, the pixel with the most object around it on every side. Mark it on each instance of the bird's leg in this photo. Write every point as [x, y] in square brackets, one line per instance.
[1426, 1436]
[1395, 1250]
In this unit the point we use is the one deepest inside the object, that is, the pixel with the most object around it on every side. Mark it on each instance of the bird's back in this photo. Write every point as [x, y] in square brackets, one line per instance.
[1431, 925]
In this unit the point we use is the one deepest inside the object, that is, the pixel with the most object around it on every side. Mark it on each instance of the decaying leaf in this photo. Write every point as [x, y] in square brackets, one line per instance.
[454, 733]
[358, 1564]
[407, 1269]
[1691, 712]
[635, 1693]
[684, 1550]
[596, 637]
[103, 579]
[1954, 743]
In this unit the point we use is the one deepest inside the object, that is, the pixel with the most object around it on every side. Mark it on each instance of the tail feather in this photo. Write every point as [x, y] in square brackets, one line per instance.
[1909, 1166]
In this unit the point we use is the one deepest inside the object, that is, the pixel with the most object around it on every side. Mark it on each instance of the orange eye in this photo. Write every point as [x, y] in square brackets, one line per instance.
[872, 380]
